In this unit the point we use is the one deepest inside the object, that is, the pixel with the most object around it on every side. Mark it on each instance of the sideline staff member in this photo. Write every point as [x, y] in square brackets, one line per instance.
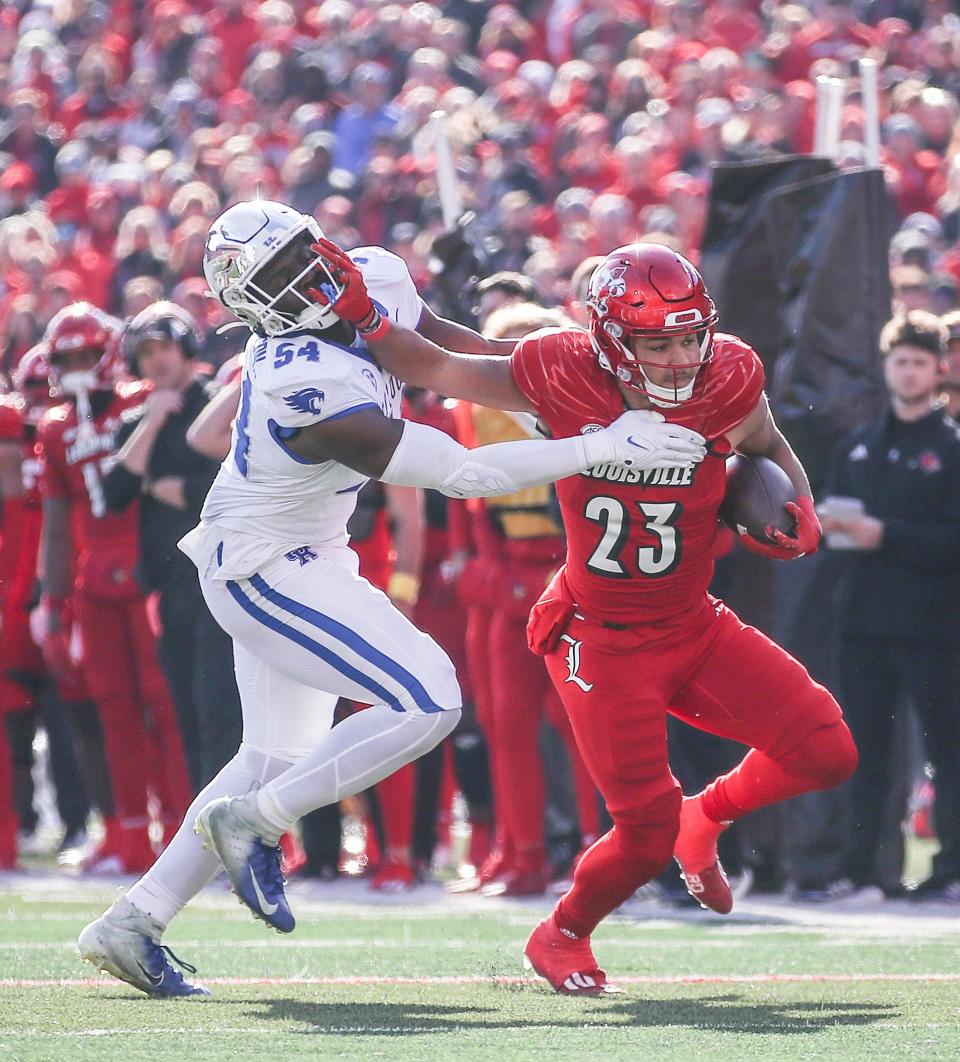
[897, 596]
[154, 461]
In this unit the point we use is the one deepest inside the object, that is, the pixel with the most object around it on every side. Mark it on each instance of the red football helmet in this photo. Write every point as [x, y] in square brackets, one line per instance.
[82, 326]
[647, 290]
[32, 379]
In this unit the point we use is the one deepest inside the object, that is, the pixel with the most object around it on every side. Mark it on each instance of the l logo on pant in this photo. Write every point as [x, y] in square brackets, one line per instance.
[573, 663]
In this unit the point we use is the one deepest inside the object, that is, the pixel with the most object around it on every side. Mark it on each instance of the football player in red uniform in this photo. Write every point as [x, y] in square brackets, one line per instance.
[627, 627]
[118, 648]
[13, 696]
[23, 673]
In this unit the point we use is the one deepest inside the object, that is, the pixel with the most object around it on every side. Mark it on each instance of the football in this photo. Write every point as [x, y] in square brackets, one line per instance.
[757, 490]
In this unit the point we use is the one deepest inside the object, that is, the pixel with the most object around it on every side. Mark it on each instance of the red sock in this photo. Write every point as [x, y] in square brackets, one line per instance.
[612, 870]
[395, 794]
[824, 758]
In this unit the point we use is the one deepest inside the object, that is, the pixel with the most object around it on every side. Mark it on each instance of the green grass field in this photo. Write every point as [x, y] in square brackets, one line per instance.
[440, 977]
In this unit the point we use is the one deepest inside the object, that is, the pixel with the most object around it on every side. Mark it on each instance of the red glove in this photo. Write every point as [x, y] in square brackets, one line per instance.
[805, 539]
[354, 303]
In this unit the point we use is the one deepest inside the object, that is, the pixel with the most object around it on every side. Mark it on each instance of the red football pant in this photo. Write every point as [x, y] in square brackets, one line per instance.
[140, 732]
[717, 674]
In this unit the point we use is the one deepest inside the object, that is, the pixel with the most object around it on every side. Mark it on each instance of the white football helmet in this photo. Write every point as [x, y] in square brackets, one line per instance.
[259, 264]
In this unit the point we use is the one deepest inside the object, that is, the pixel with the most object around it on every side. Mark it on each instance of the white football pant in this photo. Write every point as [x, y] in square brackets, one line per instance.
[308, 630]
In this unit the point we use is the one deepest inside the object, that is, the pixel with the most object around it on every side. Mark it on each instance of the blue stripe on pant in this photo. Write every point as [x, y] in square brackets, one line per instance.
[340, 632]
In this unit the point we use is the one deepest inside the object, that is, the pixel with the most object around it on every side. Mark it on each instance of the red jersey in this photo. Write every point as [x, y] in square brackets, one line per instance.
[640, 544]
[72, 466]
[20, 524]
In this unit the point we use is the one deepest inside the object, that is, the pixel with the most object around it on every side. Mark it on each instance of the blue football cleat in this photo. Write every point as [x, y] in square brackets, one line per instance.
[125, 942]
[252, 866]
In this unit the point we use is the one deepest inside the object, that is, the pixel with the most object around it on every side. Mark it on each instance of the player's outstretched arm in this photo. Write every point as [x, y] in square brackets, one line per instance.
[416, 455]
[479, 378]
[454, 336]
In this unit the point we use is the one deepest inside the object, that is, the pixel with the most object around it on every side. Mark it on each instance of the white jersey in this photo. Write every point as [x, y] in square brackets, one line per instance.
[266, 500]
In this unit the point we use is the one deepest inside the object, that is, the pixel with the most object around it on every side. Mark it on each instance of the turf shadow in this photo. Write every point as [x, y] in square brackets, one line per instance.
[735, 1012]
[731, 1012]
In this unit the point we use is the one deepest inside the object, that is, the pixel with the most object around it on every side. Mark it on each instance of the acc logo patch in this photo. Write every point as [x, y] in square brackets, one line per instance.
[589, 429]
[306, 400]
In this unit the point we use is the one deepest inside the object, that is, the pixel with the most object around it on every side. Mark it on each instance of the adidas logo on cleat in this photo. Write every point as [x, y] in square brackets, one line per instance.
[576, 982]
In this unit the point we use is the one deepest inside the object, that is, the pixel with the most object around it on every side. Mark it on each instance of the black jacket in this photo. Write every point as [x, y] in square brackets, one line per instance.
[908, 475]
[162, 526]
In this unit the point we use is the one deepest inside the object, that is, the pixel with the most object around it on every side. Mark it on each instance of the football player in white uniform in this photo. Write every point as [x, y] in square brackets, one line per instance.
[317, 418]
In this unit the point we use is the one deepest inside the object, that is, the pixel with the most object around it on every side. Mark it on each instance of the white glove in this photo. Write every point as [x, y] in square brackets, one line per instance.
[641, 438]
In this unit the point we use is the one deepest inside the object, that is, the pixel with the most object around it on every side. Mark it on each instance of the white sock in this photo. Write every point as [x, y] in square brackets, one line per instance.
[185, 866]
[356, 753]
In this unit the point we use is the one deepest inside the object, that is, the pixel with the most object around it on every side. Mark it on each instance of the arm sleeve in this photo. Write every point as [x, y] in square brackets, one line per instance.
[196, 485]
[120, 485]
[53, 478]
[425, 457]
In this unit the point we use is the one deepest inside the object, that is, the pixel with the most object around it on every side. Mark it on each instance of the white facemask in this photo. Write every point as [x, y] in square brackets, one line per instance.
[81, 380]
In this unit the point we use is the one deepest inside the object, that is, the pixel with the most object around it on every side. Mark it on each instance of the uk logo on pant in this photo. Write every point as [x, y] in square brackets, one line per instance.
[304, 554]
[573, 663]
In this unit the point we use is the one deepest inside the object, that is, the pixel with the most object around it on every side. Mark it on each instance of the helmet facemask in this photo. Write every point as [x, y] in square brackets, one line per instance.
[269, 292]
[677, 379]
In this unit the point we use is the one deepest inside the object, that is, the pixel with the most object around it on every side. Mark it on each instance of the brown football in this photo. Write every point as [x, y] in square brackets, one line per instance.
[757, 490]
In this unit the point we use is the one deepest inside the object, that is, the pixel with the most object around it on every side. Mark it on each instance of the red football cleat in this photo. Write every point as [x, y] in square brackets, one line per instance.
[517, 882]
[566, 962]
[294, 856]
[696, 855]
[393, 875]
[498, 864]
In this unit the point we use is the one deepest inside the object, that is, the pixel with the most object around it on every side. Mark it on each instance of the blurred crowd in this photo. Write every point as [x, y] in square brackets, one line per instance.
[575, 126]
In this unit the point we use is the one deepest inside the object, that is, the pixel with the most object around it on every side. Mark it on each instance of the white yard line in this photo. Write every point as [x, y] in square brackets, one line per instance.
[629, 979]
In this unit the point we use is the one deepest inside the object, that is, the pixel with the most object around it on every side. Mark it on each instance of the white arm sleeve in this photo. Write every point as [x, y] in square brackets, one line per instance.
[426, 457]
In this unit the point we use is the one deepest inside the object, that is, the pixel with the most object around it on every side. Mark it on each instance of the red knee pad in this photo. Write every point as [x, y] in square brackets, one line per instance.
[827, 754]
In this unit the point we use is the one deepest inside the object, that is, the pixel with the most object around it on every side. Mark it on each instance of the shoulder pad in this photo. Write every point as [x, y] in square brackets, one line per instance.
[379, 266]
[11, 418]
[302, 358]
[56, 417]
[129, 390]
[131, 414]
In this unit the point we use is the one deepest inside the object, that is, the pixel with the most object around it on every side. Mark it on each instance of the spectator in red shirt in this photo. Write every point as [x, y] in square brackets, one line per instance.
[27, 139]
[59, 289]
[17, 188]
[591, 163]
[731, 24]
[67, 203]
[836, 33]
[910, 170]
[98, 92]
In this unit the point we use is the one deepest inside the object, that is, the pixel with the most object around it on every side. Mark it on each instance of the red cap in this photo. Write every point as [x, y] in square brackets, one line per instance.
[690, 51]
[501, 61]
[66, 280]
[18, 178]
